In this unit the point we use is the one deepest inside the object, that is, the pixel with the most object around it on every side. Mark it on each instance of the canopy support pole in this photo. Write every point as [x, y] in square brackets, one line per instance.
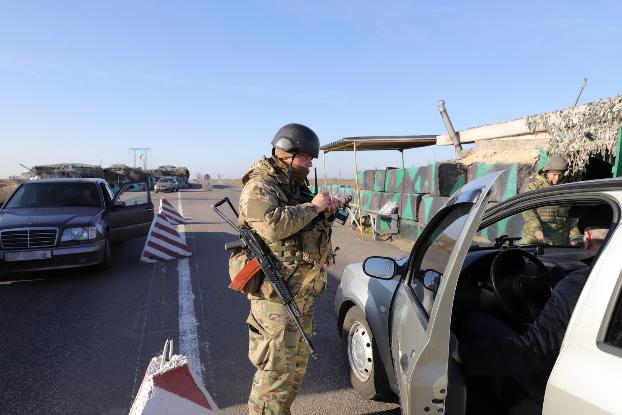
[325, 182]
[358, 192]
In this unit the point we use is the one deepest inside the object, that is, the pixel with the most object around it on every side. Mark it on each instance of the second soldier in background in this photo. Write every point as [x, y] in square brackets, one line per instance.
[278, 205]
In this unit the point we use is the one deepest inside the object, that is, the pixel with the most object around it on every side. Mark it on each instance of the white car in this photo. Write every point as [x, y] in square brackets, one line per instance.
[397, 318]
[166, 184]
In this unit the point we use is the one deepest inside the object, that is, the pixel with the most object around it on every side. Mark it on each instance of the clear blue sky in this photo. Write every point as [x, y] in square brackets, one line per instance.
[207, 84]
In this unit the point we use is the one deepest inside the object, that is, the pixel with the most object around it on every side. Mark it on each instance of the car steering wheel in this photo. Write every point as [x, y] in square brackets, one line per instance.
[521, 294]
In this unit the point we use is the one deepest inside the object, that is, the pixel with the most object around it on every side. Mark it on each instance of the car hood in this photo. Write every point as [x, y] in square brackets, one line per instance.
[55, 217]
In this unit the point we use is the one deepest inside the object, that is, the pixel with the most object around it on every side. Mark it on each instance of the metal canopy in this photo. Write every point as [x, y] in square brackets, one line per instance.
[388, 142]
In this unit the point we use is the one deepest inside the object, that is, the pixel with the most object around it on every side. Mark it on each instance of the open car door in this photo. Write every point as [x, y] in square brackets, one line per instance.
[131, 212]
[421, 309]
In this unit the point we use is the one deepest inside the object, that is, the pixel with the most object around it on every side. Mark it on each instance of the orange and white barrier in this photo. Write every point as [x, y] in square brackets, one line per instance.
[170, 386]
[163, 242]
[170, 213]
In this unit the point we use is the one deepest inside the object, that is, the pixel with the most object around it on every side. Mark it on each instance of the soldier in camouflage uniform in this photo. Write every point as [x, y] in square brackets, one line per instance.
[277, 204]
[544, 225]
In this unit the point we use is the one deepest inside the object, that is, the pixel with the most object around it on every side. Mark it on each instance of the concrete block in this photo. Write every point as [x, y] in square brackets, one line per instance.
[391, 197]
[394, 179]
[365, 200]
[410, 206]
[428, 207]
[507, 184]
[375, 201]
[417, 180]
[411, 229]
[370, 179]
[379, 178]
[447, 178]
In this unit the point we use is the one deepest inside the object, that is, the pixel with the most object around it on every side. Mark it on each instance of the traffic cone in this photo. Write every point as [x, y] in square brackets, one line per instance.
[163, 242]
[171, 214]
[170, 386]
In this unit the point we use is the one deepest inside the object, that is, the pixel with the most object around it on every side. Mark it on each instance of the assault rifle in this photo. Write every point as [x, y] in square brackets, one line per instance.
[262, 260]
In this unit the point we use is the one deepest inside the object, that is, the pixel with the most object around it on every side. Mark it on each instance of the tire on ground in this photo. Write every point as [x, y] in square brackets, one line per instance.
[107, 260]
[376, 387]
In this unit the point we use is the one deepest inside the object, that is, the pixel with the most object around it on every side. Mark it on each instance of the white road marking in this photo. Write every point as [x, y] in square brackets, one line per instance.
[188, 325]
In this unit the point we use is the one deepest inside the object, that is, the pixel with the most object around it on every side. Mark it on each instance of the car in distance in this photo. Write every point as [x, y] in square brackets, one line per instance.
[397, 318]
[166, 184]
[65, 223]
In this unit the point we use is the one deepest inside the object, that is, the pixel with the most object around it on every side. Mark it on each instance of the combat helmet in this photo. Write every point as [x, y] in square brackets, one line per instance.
[556, 163]
[297, 138]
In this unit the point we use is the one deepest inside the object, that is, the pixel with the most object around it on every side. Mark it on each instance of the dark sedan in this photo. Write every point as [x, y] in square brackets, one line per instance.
[65, 223]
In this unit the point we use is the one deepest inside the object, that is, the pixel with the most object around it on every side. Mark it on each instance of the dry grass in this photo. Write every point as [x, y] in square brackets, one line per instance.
[5, 192]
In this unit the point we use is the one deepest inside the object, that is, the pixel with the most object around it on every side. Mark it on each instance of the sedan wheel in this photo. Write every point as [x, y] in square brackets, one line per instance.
[107, 261]
[360, 353]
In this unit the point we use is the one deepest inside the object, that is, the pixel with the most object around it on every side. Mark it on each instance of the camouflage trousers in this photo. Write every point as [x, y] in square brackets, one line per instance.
[279, 354]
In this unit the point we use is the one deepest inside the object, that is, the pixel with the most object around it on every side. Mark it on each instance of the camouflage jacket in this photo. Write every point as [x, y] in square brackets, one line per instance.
[297, 236]
[557, 230]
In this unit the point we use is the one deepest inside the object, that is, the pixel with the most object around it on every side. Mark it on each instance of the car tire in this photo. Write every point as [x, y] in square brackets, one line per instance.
[360, 354]
[107, 261]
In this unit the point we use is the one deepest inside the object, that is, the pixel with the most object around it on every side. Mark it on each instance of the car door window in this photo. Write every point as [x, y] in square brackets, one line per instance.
[433, 252]
[552, 225]
[134, 194]
[614, 333]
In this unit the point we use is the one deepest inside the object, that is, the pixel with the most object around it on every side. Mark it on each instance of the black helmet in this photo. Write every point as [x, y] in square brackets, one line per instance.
[297, 138]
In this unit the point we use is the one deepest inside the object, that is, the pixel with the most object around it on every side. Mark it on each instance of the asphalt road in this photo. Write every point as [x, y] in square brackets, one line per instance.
[79, 341]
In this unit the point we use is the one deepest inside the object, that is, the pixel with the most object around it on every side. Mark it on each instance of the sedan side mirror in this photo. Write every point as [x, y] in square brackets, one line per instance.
[380, 267]
[432, 280]
[119, 203]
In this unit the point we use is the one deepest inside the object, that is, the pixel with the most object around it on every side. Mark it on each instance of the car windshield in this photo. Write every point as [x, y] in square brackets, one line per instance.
[38, 195]
[167, 180]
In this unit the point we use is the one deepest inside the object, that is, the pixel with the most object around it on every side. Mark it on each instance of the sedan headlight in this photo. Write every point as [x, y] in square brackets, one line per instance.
[79, 234]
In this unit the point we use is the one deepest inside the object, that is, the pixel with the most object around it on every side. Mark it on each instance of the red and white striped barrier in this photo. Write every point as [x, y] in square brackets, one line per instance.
[171, 214]
[170, 386]
[163, 242]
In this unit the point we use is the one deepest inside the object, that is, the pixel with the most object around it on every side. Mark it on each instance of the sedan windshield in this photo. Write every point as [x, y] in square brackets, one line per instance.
[36, 195]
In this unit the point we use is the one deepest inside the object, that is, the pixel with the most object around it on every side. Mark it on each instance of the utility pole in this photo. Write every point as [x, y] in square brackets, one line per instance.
[144, 151]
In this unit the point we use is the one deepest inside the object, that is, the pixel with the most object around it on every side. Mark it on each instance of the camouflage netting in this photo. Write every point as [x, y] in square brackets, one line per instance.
[122, 173]
[68, 170]
[580, 132]
[171, 171]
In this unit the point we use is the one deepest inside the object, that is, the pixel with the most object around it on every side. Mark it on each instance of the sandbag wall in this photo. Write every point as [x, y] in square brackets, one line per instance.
[420, 192]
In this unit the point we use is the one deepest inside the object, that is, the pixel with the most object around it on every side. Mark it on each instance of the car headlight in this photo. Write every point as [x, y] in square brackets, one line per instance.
[79, 234]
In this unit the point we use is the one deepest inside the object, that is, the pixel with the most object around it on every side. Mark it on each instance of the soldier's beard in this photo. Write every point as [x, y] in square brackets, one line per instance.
[300, 173]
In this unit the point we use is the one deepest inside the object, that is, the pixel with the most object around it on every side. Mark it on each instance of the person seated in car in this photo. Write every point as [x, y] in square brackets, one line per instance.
[517, 365]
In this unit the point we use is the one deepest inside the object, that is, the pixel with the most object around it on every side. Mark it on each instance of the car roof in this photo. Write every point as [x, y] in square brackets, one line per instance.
[68, 180]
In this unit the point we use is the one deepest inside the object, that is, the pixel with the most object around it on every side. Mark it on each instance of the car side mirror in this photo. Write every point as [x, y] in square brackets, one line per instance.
[118, 203]
[432, 279]
[380, 267]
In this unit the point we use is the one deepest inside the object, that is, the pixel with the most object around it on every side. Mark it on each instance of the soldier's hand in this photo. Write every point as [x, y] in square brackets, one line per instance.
[539, 235]
[321, 201]
[335, 204]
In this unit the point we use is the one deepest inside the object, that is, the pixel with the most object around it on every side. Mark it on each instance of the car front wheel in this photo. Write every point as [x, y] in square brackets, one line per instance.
[107, 260]
[360, 354]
